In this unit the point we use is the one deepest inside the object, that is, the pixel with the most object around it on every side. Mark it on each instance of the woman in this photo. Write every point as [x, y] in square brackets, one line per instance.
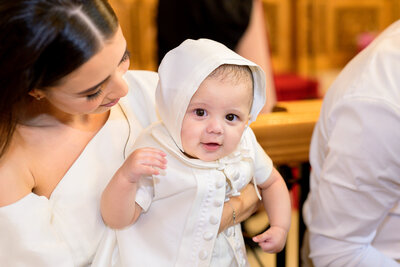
[69, 112]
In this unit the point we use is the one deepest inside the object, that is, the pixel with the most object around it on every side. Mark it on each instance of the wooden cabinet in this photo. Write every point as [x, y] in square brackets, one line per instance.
[305, 36]
[279, 20]
[311, 35]
[138, 23]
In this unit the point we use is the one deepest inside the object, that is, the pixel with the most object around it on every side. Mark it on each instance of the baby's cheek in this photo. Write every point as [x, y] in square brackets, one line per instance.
[234, 141]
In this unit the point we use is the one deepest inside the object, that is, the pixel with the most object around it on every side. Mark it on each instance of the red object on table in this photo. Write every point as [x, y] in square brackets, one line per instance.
[291, 86]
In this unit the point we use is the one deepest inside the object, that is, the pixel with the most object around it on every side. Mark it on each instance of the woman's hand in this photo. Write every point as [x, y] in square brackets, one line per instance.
[244, 206]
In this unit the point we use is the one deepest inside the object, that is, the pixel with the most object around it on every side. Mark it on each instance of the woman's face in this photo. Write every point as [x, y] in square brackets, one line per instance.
[95, 86]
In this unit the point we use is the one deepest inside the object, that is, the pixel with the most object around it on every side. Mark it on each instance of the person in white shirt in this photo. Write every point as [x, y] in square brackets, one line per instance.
[206, 97]
[352, 212]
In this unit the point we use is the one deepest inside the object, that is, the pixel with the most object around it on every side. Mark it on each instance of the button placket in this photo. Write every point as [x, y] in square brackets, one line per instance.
[208, 236]
[215, 198]
[213, 220]
[220, 183]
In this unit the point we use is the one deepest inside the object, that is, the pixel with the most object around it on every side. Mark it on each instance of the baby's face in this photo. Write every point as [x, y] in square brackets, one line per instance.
[216, 118]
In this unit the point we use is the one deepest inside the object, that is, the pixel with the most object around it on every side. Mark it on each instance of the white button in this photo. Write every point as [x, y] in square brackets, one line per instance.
[220, 183]
[203, 255]
[208, 236]
[214, 220]
[218, 203]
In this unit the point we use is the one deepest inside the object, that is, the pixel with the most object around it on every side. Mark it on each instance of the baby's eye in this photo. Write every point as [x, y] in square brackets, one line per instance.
[231, 117]
[200, 112]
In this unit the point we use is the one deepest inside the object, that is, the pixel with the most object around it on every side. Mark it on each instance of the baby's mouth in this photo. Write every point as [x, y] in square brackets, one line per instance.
[211, 146]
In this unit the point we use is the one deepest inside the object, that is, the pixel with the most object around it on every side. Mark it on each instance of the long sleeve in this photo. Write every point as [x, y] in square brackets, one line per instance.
[28, 237]
[356, 183]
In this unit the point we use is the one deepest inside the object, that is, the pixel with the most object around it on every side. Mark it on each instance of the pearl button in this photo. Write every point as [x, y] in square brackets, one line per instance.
[214, 220]
[218, 203]
[220, 183]
[208, 236]
[203, 255]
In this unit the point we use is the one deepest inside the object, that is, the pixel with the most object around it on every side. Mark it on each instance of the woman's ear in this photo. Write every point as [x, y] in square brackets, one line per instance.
[37, 94]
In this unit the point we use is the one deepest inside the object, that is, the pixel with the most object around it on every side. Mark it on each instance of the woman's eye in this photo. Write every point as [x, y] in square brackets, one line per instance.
[231, 117]
[126, 56]
[200, 112]
[95, 95]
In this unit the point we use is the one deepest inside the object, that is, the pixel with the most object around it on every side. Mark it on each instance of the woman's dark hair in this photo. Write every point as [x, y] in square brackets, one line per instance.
[42, 41]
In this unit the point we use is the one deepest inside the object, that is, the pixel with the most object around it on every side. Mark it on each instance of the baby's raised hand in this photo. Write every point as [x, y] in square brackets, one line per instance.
[273, 240]
[143, 162]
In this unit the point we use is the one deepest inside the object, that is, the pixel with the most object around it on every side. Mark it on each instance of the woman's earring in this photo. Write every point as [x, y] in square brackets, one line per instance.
[38, 97]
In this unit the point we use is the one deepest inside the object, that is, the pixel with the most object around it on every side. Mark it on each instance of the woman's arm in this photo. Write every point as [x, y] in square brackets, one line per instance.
[242, 206]
[254, 46]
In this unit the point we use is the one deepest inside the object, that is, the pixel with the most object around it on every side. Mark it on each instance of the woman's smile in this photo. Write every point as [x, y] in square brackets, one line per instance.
[112, 103]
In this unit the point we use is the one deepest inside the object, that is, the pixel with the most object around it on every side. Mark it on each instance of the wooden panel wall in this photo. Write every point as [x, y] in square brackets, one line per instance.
[305, 35]
[311, 35]
[138, 22]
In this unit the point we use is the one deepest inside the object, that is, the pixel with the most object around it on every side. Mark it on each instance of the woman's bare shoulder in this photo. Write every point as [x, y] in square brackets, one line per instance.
[16, 181]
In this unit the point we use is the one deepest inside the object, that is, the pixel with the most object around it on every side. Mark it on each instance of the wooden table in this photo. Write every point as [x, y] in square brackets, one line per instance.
[285, 136]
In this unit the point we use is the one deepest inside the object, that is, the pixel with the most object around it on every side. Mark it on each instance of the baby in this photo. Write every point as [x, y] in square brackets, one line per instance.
[206, 97]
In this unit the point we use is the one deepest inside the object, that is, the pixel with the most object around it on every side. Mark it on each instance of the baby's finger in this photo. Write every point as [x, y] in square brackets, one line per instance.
[146, 155]
[262, 237]
[149, 155]
[152, 150]
[154, 160]
[268, 247]
[150, 170]
[155, 165]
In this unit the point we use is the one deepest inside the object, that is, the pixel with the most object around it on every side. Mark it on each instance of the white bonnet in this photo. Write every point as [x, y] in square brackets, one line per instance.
[184, 68]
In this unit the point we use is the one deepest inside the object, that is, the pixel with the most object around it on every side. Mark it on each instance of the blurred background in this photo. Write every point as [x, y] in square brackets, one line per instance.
[311, 38]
